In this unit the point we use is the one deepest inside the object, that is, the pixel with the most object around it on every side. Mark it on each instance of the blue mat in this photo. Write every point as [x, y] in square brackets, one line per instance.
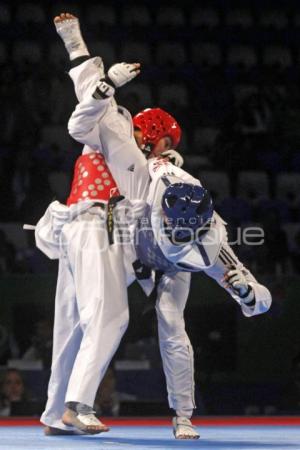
[156, 438]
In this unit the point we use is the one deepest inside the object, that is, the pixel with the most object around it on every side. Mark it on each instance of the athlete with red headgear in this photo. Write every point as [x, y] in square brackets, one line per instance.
[185, 235]
[154, 131]
[82, 260]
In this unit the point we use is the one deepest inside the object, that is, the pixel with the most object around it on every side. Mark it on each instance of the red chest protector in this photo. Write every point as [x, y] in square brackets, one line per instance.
[92, 180]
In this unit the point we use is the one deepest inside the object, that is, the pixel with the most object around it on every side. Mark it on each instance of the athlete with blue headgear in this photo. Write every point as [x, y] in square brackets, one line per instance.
[177, 232]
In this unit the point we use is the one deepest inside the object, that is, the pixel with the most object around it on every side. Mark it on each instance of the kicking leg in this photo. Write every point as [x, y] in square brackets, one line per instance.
[113, 135]
[68, 27]
[84, 76]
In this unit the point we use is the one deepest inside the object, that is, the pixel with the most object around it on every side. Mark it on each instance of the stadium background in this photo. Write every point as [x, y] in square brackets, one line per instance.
[229, 72]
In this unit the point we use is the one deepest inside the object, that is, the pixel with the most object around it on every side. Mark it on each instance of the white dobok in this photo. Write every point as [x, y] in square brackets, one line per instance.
[91, 307]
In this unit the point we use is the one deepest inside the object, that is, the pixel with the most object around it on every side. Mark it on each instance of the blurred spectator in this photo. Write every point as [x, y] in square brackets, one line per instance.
[14, 398]
[41, 347]
[107, 401]
[12, 390]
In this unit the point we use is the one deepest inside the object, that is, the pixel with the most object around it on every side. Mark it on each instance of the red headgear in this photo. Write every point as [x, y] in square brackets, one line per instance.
[155, 123]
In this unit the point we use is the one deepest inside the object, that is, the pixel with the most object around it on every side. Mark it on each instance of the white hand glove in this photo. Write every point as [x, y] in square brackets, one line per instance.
[174, 157]
[121, 73]
[236, 280]
[117, 75]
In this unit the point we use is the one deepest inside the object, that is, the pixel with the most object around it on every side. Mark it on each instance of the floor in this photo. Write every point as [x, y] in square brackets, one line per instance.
[135, 435]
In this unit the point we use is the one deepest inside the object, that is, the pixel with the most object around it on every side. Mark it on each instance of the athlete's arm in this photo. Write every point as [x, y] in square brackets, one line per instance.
[83, 121]
[232, 275]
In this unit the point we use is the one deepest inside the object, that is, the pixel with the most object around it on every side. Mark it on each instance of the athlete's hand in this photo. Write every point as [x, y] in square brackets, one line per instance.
[122, 73]
[116, 76]
[174, 157]
[236, 280]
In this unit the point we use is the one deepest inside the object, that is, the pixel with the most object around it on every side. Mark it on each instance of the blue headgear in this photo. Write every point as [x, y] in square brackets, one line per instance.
[188, 207]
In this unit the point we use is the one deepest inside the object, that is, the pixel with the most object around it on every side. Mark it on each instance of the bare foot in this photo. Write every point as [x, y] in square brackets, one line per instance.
[52, 431]
[63, 16]
[68, 27]
[88, 423]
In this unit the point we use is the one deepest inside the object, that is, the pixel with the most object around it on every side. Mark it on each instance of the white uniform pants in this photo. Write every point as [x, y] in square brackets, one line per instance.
[175, 347]
[91, 313]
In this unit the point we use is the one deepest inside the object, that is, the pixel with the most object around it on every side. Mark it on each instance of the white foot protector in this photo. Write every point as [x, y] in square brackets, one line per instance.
[184, 429]
[69, 31]
[88, 423]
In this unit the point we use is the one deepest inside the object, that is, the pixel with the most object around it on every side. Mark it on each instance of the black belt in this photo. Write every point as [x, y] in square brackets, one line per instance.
[110, 218]
[102, 205]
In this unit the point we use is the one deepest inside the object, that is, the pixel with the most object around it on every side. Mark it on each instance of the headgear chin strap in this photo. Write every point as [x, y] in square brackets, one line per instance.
[147, 149]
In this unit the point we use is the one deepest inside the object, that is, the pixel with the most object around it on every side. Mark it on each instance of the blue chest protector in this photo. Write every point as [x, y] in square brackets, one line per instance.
[150, 255]
[147, 248]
